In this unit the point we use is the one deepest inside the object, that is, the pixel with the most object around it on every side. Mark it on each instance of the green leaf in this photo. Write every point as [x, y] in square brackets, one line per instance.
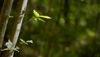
[41, 19]
[23, 42]
[11, 16]
[16, 49]
[46, 17]
[36, 13]
[35, 19]
[29, 41]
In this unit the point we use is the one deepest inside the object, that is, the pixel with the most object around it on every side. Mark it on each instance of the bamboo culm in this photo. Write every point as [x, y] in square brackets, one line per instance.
[17, 26]
[4, 17]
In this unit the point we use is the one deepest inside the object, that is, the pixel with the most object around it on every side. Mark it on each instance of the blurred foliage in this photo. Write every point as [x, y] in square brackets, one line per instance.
[73, 30]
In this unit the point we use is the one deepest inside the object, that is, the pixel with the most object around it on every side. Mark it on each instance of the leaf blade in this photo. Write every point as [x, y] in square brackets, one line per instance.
[46, 17]
[36, 13]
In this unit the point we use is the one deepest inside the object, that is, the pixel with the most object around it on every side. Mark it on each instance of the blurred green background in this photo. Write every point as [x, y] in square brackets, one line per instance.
[73, 30]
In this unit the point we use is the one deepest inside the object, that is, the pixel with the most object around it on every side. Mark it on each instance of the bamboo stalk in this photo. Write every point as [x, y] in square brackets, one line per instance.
[17, 26]
[4, 17]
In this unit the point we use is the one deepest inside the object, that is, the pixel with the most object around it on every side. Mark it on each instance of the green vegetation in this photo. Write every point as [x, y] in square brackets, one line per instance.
[51, 28]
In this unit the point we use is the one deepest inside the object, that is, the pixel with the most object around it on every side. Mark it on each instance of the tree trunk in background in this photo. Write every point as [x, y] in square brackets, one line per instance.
[96, 39]
[97, 20]
[1, 4]
[61, 10]
[66, 10]
[17, 26]
[4, 16]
